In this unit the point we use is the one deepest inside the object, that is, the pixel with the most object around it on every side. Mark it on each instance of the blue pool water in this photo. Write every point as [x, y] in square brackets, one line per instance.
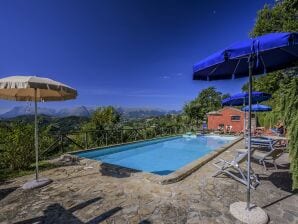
[162, 156]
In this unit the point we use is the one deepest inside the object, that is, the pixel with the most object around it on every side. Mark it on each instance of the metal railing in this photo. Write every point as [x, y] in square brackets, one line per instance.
[78, 140]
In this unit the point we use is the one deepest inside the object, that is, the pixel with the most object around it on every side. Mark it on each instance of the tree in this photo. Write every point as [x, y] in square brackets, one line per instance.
[106, 117]
[280, 18]
[193, 112]
[102, 118]
[283, 85]
[208, 100]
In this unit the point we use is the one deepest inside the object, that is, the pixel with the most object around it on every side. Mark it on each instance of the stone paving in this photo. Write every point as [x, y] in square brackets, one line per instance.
[83, 194]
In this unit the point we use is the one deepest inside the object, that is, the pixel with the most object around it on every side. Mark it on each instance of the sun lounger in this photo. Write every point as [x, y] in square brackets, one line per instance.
[282, 141]
[227, 167]
[271, 156]
[273, 137]
[263, 143]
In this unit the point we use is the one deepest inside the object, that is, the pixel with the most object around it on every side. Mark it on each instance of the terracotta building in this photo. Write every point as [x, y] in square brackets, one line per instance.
[227, 119]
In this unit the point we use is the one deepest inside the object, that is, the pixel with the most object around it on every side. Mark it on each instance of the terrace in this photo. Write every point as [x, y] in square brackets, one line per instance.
[86, 193]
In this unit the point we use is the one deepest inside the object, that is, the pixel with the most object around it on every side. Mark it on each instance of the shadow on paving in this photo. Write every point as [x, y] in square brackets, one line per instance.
[278, 200]
[6, 191]
[163, 172]
[113, 170]
[57, 214]
[104, 216]
[145, 222]
[3, 181]
[281, 180]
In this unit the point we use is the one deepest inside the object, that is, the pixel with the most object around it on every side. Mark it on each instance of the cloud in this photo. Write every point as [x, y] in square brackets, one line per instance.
[172, 75]
[165, 77]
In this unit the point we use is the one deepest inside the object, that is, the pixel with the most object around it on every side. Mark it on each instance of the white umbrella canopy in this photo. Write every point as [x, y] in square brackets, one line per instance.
[33, 88]
[22, 88]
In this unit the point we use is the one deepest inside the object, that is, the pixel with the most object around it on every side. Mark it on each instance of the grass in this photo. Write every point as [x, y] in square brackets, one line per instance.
[7, 174]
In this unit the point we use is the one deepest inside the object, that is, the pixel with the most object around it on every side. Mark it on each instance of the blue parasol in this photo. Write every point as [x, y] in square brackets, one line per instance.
[242, 99]
[266, 53]
[253, 56]
[257, 108]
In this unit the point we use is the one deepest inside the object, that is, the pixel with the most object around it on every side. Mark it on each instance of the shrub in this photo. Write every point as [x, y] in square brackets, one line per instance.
[17, 150]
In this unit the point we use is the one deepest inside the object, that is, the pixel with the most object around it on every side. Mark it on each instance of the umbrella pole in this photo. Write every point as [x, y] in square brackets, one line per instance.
[250, 67]
[244, 129]
[36, 135]
[256, 119]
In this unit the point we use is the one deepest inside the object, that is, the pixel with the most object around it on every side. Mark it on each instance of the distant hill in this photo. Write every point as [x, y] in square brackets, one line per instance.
[20, 111]
[82, 111]
[66, 112]
[75, 111]
[140, 113]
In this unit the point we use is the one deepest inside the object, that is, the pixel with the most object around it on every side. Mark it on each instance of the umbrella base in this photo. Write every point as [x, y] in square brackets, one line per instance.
[255, 215]
[36, 183]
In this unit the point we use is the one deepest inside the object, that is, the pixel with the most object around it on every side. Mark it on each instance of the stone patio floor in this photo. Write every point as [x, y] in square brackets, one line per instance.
[81, 194]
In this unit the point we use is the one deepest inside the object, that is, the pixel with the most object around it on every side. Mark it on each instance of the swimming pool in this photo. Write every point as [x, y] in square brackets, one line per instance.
[159, 156]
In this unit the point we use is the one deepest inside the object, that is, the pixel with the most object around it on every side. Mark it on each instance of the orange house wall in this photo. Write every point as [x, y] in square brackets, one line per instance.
[225, 118]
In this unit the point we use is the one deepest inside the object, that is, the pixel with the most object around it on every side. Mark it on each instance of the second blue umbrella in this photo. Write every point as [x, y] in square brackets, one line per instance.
[257, 108]
[240, 99]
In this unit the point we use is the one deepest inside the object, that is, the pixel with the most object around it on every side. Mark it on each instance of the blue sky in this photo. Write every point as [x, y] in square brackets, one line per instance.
[133, 53]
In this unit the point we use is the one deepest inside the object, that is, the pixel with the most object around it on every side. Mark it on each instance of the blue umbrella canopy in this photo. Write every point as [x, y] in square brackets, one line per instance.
[272, 52]
[257, 108]
[242, 99]
[255, 56]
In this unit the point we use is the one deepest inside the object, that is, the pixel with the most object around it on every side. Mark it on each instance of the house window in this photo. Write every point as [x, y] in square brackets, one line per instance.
[235, 118]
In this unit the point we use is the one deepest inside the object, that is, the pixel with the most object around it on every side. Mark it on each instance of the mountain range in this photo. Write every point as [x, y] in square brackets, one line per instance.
[82, 111]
